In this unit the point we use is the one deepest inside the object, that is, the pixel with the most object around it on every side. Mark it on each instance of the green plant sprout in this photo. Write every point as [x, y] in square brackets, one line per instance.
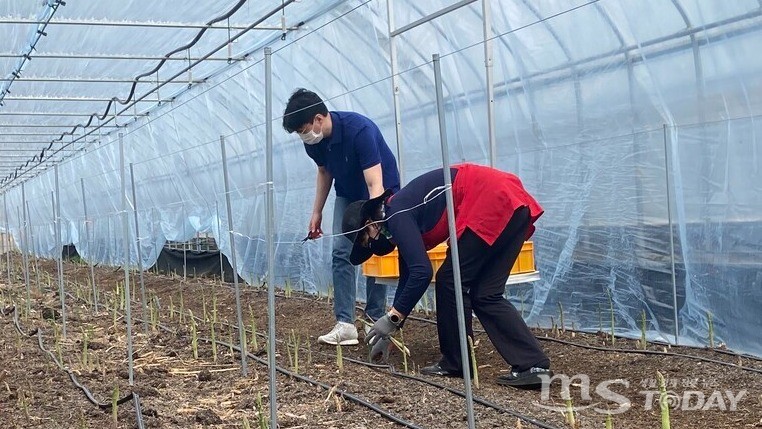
[57, 334]
[214, 342]
[171, 308]
[24, 402]
[155, 313]
[261, 418]
[84, 348]
[205, 319]
[288, 288]
[609, 421]
[711, 329]
[553, 327]
[122, 298]
[404, 356]
[339, 357]
[663, 402]
[473, 361]
[643, 343]
[296, 340]
[114, 400]
[569, 414]
[115, 313]
[246, 424]
[194, 334]
[182, 307]
[254, 342]
[561, 317]
[611, 311]
[214, 308]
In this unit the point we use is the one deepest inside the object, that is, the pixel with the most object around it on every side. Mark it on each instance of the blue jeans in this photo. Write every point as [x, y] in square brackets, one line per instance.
[345, 275]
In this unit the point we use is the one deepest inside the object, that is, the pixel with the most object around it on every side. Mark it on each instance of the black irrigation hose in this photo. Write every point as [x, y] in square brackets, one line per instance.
[73, 378]
[631, 351]
[486, 403]
[393, 372]
[720, 351]
[652, 352]
[344, 393]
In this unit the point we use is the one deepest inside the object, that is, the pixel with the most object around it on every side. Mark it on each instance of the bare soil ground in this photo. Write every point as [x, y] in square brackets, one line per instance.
[179, 390]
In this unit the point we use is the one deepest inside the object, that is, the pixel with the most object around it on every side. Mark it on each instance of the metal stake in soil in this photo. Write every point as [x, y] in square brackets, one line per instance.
[8, 236]
[219, 240]
[270, 236]
[144, 308]
[25, 245]
[88, 237]
[126, 256]
[453, 243]
[241, 327]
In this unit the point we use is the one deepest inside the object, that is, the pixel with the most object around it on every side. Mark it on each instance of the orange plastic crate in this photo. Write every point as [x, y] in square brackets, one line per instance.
[388, 267]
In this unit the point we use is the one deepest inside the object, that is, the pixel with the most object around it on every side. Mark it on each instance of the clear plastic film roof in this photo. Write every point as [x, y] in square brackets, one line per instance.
[634, 123]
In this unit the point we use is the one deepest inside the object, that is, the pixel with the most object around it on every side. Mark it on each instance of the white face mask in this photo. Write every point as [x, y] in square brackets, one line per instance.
[311, 137]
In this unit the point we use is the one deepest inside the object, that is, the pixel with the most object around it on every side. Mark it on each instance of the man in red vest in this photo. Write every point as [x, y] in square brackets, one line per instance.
[494, 215]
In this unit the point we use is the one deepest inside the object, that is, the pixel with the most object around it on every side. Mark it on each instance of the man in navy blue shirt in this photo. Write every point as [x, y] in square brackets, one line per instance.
[351, 153]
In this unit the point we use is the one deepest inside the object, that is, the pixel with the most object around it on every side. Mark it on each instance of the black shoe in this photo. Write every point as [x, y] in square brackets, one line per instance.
[437, 369]
[529, 379]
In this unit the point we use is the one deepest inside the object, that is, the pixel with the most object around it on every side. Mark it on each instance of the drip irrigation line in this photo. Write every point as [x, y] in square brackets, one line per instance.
[606, 349]
[653, 353]
[88, 394]
[354, 398]
[478, 400]
[630, 351]
[720, 351]
[392, 371]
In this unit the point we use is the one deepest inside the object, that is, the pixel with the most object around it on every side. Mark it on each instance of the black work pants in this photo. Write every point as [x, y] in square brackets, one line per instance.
[484, 270]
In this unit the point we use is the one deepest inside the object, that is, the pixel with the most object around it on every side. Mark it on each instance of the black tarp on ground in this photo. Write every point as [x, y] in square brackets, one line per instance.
[200, 264]
[206, 264]
[69, 253]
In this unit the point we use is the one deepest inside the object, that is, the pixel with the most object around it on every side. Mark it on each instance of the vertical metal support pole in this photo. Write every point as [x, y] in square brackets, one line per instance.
[185, 247]
[270, 236]
[487, 21]
[24, 244]
[22, 229]
[59, 250]
[453, 243]
[34, 247]
[395, 88]
[126, 255]
[667, 138]
[144, 309]
[241, 327]
[219, 238]
[90, 246]
[28, 238]
[8, 236]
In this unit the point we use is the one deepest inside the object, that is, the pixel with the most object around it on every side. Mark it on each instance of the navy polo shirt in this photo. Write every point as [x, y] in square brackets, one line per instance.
[355, 144]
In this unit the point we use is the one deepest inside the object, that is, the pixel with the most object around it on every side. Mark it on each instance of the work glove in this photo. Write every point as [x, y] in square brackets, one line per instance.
[382, 329]
[380, 350]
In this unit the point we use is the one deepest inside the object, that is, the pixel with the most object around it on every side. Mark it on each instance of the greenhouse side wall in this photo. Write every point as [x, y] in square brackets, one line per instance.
[645, 168]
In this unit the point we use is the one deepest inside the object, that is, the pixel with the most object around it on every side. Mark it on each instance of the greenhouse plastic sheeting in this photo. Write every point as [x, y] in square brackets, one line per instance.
[634, 124]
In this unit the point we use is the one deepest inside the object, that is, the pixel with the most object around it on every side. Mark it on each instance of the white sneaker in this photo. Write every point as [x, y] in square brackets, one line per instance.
[343, 333]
